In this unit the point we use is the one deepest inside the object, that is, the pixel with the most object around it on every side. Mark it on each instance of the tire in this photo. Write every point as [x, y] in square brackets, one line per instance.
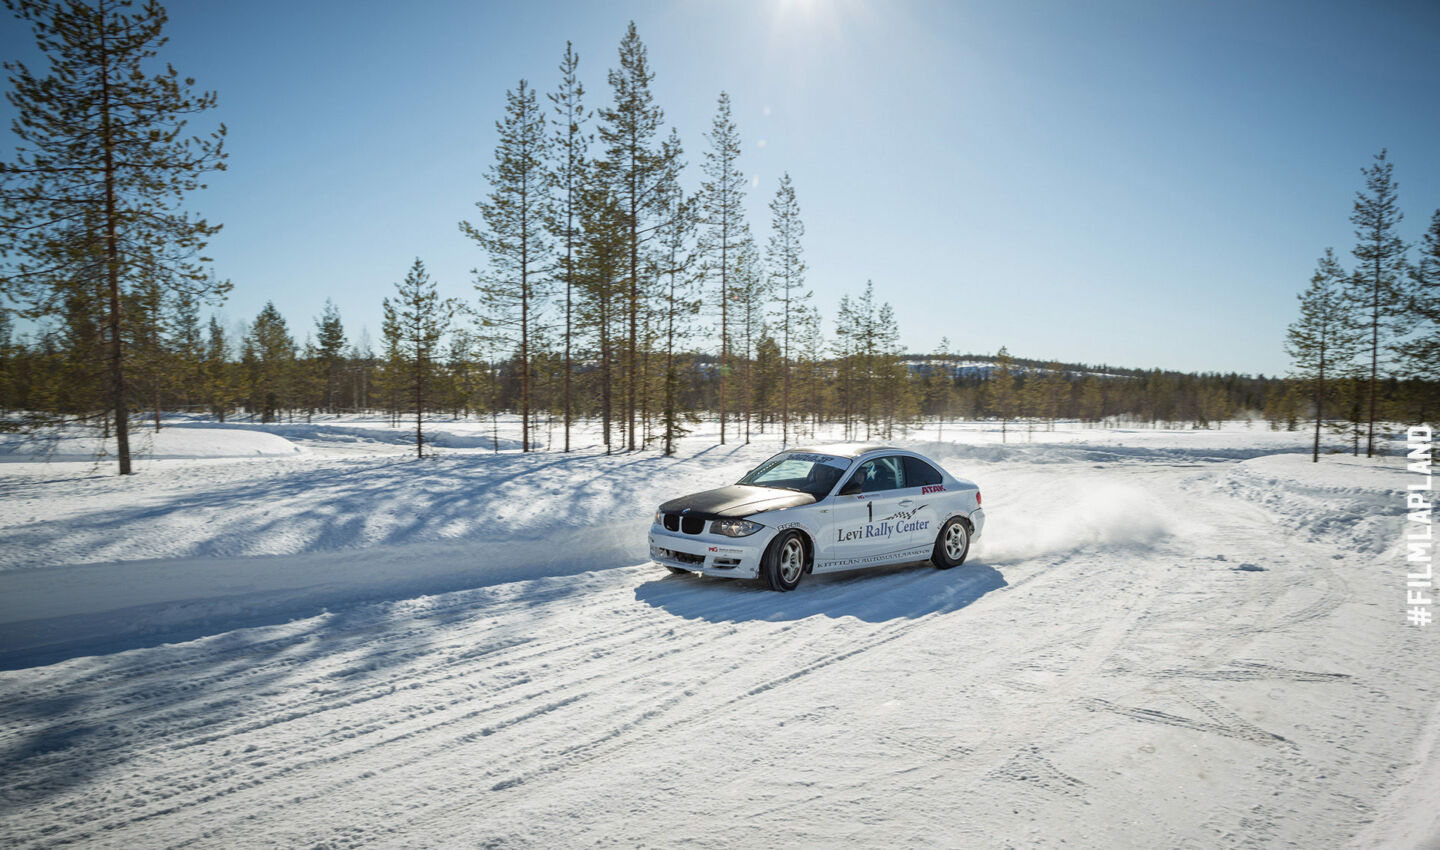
[952, 545]
[677, 571]
[784, 563]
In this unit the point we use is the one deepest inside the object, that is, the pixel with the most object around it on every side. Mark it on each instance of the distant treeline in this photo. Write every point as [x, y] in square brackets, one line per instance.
[264, 375]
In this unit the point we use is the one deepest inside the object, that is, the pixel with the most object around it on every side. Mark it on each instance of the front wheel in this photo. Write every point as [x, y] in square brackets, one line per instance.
[952, 545]
[784, 562]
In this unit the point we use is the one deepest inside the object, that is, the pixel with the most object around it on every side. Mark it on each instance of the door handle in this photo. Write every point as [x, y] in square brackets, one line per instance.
[905, 503]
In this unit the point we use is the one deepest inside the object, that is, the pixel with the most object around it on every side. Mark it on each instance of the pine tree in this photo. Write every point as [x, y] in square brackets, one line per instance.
[271, 353]
[418, 318]
[868, 345]
[219, 384]
[188, 345]
[1380, 255]
[723, 197]
[1421, 354]
[940, 388]
[393, 369]
[568, 174]
[787, 270]
[809, 376]
[146, 327]
[635, 172]
[1004, 396]
[895, 390]
[750, 291]
[765, 379]
[330, 351]
[601, 270]
[514, 233]
[677, 228]
[848, 363]
[105, 145]
[1323, 337]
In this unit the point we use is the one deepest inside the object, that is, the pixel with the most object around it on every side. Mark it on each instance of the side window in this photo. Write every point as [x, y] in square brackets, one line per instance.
[918, 473]
[882, 473]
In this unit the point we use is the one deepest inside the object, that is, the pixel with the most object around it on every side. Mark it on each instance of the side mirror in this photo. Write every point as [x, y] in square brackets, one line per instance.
[851, 488]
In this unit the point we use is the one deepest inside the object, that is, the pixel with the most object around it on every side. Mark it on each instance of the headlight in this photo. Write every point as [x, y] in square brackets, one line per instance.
[659, 517]
[735, 527]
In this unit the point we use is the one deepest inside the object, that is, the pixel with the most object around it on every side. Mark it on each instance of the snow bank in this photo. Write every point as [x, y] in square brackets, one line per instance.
[170, 443]
[1357, 503]
[372, 433]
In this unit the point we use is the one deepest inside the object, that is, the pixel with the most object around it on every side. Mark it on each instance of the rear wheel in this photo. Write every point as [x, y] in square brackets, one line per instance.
[784, 562]
[952, 544]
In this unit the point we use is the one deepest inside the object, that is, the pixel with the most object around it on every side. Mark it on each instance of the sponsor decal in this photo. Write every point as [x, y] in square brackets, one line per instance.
[789, 525]
[920, 551]
[900, 522]
[725, 550]
[904, 514]
[828, 460]
[932, 488]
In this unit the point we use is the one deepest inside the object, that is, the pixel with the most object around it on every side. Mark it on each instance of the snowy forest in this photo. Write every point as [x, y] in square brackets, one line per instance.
[606, 291]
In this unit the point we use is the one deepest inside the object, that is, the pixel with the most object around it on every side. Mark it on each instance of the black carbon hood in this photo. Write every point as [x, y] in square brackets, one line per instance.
[737, 500]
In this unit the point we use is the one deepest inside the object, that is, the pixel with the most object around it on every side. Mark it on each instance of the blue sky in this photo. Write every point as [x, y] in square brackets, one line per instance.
[1133, 183]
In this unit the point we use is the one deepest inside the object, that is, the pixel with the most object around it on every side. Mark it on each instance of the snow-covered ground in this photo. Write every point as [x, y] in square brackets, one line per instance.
[297, 635]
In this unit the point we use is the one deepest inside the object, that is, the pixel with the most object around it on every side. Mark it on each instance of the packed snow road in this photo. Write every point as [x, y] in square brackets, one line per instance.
[1147, 650]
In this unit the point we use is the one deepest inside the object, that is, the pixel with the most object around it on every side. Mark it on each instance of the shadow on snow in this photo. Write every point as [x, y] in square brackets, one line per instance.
[873, 595]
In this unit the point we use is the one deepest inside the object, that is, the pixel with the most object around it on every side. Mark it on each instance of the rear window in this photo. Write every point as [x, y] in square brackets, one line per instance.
[918, 473]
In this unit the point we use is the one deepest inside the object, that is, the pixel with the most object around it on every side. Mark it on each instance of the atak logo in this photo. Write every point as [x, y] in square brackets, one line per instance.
[933, 488]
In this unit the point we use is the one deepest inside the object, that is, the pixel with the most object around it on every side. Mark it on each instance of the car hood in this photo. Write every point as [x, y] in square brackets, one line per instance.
[737, 500]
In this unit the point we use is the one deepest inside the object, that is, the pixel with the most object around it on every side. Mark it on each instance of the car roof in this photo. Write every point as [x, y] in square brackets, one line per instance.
[848, 449]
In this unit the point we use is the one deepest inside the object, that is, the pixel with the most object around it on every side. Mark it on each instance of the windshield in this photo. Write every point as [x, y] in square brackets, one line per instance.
[801, 471]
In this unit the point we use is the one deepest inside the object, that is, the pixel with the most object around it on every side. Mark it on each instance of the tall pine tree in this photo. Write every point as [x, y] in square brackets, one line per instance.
[677, 228]
[722, 198]
[636, 169]
[568, 176]
[1324, 338]
[515, 215]
[105, 144]
[1380, 261]
[787, 270]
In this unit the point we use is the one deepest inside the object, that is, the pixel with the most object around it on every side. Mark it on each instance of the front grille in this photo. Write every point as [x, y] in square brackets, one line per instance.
[687, 524]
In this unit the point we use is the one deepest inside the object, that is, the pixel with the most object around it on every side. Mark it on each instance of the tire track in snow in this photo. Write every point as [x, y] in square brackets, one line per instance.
[587, 643]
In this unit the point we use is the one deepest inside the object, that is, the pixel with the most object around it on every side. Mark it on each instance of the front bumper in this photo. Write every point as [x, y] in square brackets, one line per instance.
[711, 554]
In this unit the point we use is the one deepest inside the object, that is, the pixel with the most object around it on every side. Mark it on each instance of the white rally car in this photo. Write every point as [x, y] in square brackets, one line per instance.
[822, 509]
